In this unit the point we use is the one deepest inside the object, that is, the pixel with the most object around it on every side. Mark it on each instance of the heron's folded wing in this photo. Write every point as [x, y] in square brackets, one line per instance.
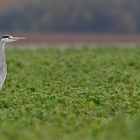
[3, 72]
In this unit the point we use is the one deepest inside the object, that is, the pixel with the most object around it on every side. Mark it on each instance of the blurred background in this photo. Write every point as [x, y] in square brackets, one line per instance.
[85, 21]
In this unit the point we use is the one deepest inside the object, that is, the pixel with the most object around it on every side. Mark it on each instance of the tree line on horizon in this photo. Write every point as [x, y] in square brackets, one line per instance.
[121, 16]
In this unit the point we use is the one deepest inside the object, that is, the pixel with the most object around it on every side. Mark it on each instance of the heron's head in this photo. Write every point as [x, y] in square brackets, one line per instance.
[9, 38]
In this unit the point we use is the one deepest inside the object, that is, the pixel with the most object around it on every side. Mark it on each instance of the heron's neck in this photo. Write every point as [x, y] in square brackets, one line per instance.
[2, 52]
[2, 44]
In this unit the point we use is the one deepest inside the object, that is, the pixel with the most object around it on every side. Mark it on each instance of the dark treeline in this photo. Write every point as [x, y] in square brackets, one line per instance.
[118, 16]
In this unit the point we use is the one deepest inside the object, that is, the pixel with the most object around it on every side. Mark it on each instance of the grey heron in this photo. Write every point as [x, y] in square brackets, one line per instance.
[3, 66]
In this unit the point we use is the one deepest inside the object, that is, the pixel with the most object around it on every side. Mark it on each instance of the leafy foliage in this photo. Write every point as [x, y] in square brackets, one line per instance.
[71, 15]
[71, 93]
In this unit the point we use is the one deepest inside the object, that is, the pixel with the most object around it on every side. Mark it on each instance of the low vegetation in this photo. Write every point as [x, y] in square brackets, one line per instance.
[71, 93]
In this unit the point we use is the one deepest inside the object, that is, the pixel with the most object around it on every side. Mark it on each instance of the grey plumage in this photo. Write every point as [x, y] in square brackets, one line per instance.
[3, 66]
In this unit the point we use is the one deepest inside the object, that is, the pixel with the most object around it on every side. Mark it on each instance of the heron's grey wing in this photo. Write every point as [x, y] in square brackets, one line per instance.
[3, 69]
[3, 73]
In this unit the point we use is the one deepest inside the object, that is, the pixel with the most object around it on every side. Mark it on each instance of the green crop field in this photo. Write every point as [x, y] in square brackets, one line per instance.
[87, 93]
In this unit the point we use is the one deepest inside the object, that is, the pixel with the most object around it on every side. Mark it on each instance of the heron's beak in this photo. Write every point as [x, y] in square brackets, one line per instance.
[18, 38]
